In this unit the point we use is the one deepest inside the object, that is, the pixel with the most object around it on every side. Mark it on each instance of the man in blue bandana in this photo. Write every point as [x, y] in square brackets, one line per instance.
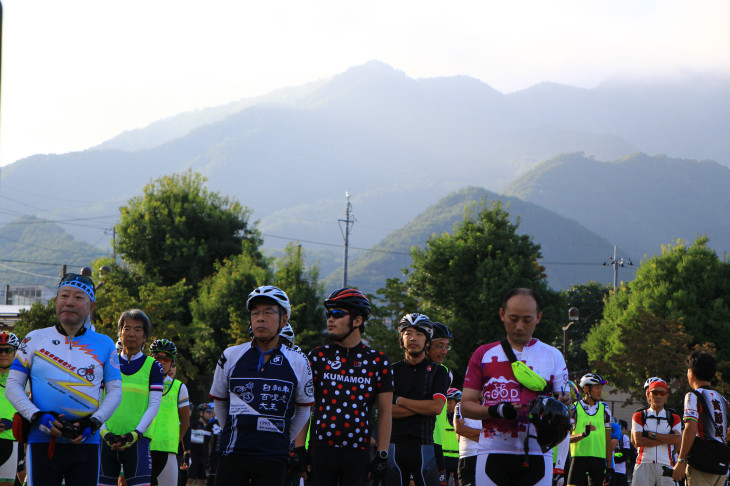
[66, 365]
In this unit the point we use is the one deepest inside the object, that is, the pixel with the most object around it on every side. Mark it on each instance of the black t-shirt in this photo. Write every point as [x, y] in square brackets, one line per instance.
[424, 381]
[346, 385]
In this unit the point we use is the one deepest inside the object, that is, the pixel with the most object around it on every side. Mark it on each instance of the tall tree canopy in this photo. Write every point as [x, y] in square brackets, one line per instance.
[460, 278]
[178, 229]
[684, 294]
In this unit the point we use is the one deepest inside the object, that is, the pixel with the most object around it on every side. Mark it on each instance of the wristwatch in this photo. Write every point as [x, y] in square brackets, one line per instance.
[653, 435]
[382, 454]
[683, 461]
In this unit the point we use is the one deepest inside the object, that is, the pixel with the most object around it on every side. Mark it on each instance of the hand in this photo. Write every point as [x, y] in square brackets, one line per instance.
[590, 427]
[48, 423]
[680, 471]
[6, 424]
[377, 467]
[108, 437]
[127, 440]
[298, 460]
[504, 410]
[86, 427]
[608, 478]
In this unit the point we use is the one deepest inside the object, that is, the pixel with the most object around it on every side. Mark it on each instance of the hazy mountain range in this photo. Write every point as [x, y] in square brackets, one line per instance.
[399, 145]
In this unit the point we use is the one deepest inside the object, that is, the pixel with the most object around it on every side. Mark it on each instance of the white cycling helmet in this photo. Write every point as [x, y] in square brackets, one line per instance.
[271, 293]
[287, 333]
[650, 381]
[591, 379]
[419, 321]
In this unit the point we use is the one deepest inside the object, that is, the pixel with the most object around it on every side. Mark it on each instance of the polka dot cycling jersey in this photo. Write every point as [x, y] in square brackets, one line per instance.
[346, 385]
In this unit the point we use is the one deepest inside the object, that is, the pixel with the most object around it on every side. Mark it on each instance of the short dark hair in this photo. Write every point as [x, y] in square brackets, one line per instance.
[702, 364]
[623, 424]
[521, 291]
[136, 315]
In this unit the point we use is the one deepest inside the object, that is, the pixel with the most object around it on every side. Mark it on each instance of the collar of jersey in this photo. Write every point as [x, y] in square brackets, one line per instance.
[63, 332]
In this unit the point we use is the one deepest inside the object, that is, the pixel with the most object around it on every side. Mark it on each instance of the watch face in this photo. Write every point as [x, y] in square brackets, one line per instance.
[383, 454]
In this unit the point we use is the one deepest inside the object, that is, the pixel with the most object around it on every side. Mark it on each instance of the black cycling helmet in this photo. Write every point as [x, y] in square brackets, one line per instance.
[441, 331]
[551, 420]
[164, 346]
[351, 299]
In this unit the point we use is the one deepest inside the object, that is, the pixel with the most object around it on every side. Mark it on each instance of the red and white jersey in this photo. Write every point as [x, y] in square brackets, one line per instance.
[490, 372]
[662, 422]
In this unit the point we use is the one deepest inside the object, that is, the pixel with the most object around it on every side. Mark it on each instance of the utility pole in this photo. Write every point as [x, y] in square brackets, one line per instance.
[615, 264]
[349, 221]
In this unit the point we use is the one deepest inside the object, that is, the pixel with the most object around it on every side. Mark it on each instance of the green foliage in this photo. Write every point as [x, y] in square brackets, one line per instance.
[220, 317]
[589, 299]
[459, 279]
[37, 317]
[178, 229]
[389, 305]
[30, 239]
[306, 295]
[685, 284]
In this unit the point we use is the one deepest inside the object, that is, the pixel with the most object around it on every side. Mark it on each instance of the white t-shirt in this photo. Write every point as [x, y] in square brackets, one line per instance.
[467, 447]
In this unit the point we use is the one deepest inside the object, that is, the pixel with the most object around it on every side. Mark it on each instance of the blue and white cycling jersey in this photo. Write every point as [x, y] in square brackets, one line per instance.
[66, 375]
[261, 401]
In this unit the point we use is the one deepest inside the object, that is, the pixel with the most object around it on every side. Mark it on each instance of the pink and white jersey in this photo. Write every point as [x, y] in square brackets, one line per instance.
[490, 372]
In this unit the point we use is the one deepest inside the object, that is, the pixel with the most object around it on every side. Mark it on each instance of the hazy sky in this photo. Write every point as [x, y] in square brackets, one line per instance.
[78, 72]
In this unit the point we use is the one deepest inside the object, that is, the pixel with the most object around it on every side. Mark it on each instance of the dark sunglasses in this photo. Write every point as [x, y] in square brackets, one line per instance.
[7, 350]
[336, 313]
[658, 392]
[162, 357]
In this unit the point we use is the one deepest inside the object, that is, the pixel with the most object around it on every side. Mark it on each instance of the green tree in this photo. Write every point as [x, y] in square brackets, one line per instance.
[178, 229]
[306, 295]
[220, 317]
[460, 279]
[589, 299]
[687, 284]
[37, 317]
[389, 305]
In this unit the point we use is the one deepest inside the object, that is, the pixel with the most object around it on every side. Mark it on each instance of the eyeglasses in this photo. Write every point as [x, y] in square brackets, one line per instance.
[441, 347]
[265, 313]
[336, 313]
[661, 393]
[7, 350]
[162, 357]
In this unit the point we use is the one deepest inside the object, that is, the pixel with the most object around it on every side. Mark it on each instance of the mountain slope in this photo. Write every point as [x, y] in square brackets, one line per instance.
[570, 253]
[640, 201]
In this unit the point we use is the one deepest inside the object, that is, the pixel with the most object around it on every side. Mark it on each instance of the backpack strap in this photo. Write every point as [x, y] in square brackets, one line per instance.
[508, 350]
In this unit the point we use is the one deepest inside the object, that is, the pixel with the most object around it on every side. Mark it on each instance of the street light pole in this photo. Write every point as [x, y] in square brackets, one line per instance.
[573, 316]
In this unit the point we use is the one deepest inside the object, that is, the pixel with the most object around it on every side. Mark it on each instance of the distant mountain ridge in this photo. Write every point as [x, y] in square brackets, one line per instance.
[395, 143]
[639, 200]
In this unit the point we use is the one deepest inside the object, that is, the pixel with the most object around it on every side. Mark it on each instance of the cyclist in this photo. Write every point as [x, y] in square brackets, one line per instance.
[199, 436]
[349, 378]
[591, 451]
[125, 444]
[172, 420]
[63, 443]
[451, 441]
[419, 395]
[502, 378]
[8, 445]
[439, 346]
[262, 393]
[468, 431]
